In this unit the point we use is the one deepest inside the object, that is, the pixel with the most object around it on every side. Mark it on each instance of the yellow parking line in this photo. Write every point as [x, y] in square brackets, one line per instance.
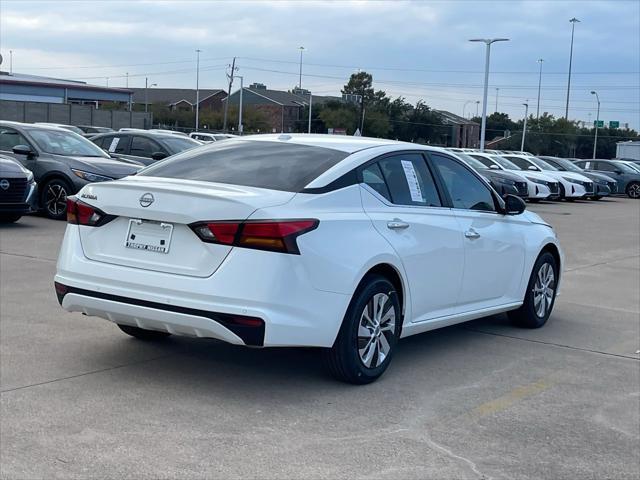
[510, 398]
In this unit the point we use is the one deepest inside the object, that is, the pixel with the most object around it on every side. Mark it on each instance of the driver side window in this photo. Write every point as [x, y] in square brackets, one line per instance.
[465, 189]
[9, 138]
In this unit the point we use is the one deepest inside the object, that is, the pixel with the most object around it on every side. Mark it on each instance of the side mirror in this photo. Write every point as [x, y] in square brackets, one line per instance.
[158, 155]
[493, 166]
[514, 205]
[535, 169]
[24, 150]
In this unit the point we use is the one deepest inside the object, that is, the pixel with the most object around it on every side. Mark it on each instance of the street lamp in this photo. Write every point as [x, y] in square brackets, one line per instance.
[487, 42]
[524, 128]
[465, 106]
[540, 60]
[146, 96]
[595, 140]
[197, 88]
[573, 22]
[300, 81]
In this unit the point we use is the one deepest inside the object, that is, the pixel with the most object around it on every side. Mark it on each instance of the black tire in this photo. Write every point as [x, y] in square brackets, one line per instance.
[596, 198]
[53, 198]
[534, 200]
[344, 359]
[527, 315]
[633, 190]
[142, 334]
[8, 218]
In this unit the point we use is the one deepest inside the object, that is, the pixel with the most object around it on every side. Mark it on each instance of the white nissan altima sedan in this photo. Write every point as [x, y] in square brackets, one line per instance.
[343, 243]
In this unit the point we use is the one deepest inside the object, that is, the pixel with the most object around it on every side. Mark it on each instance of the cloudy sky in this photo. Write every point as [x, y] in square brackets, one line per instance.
[418, 50]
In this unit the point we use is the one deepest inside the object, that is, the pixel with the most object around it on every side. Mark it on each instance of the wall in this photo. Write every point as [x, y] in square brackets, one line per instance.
[72, 114]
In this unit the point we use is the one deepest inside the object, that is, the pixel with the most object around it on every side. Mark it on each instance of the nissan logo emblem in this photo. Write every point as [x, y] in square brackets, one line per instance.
[4, 184]
[146, 200]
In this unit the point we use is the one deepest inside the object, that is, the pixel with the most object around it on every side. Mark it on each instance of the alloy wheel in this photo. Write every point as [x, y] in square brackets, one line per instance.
[55, 199]
[376, 329]
[544, 290]
[634, 190]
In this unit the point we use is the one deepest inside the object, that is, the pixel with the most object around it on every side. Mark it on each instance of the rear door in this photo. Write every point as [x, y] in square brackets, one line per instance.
[142, 149]
[400, 197]
[494, 250]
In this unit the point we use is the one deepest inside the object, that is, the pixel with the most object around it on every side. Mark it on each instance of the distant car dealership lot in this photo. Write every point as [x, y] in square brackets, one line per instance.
[483, 398]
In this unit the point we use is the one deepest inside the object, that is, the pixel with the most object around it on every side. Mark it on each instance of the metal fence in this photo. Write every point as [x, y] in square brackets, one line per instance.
[72, 114]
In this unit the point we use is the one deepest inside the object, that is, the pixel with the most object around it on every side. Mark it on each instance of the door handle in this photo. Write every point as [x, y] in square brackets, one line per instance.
[397, 224]
[471, 234]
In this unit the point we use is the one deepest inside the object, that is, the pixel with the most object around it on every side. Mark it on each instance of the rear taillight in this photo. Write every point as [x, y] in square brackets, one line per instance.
[272, 235]
[80, 213]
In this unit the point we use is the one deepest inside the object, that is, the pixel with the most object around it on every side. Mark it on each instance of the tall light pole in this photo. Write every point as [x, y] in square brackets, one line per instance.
[465, 106]
[524, 128]
[197, 88]
[595, 140]
[497, 93]
[240, 126]
[477, 105]
[540, 60]
[127, 81]
[573, 22]
[310, 105]
[146, 95]
[487, 42]
[300, 81]
[10, 61]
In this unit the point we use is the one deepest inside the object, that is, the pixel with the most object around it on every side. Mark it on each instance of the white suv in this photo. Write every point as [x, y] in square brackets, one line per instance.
[306, 240]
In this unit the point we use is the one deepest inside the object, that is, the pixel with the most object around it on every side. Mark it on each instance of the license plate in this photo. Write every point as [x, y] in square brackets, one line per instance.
[149, 236]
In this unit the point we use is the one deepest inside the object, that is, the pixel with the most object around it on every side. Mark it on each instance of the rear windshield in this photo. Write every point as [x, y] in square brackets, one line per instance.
[272, 165]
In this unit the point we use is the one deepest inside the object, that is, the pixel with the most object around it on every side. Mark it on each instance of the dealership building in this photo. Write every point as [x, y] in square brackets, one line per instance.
[32, 88]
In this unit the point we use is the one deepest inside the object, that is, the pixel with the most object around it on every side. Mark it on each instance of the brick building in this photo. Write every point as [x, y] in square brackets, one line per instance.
[180, 98]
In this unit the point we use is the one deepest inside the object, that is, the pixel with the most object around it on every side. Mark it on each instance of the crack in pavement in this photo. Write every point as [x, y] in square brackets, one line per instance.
[33, 257]
[116, 367]
[552, 344]
[597, 264]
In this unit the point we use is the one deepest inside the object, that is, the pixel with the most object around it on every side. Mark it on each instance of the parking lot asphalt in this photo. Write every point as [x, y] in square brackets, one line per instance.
[479, 400]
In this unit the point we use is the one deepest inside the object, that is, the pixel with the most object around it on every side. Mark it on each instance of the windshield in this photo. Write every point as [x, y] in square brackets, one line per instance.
[541, 163]
[62, 142]
[472, 162]
[569, 166]
[179, 144]
[504, 163]
[632, 166]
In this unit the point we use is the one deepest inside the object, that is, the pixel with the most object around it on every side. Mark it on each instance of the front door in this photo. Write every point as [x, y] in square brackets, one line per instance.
[494, 250]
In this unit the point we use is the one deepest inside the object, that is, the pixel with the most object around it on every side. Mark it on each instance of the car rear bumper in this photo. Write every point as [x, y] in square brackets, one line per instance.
[250, 284]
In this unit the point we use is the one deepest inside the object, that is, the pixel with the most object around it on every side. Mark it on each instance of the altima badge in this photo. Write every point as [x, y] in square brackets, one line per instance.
[146, 200]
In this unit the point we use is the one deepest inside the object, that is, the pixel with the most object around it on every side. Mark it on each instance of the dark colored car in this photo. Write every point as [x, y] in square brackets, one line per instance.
[143, 147]
[18, 190]
[503, 182]
[627, 178]
[604, 185]
[62, 162]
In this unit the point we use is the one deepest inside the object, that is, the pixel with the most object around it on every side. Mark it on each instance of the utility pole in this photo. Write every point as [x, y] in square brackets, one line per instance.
[595, 140]
[226, 104]
[146, 95]
[197, 88]
[477, 105]
[497, 93]
[540, 60]
[127, 81]
[10, 61]
[240, 126]
[310, 104]
[573, 22]
[524, 128]
[300, 81]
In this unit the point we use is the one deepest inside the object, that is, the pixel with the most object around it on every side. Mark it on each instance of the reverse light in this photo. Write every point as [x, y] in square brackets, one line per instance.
[80, 213]
[272, 235]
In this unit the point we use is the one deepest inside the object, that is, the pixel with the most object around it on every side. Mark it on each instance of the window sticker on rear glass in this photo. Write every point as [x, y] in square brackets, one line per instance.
[114, 144]
[412, 181]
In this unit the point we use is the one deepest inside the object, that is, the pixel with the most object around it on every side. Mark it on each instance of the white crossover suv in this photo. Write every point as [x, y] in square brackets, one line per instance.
[343, 243]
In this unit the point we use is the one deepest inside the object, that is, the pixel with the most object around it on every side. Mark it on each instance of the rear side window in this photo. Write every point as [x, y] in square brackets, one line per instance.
[409, 180]
[115, 144]
[263, 164]
[144, 147]
[372, 176]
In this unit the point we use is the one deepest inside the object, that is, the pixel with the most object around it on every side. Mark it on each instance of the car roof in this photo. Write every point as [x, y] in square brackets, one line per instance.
[33, 126]
[142, 133]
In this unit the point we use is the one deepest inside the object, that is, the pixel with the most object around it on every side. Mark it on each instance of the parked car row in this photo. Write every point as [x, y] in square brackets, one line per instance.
[556, 178]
